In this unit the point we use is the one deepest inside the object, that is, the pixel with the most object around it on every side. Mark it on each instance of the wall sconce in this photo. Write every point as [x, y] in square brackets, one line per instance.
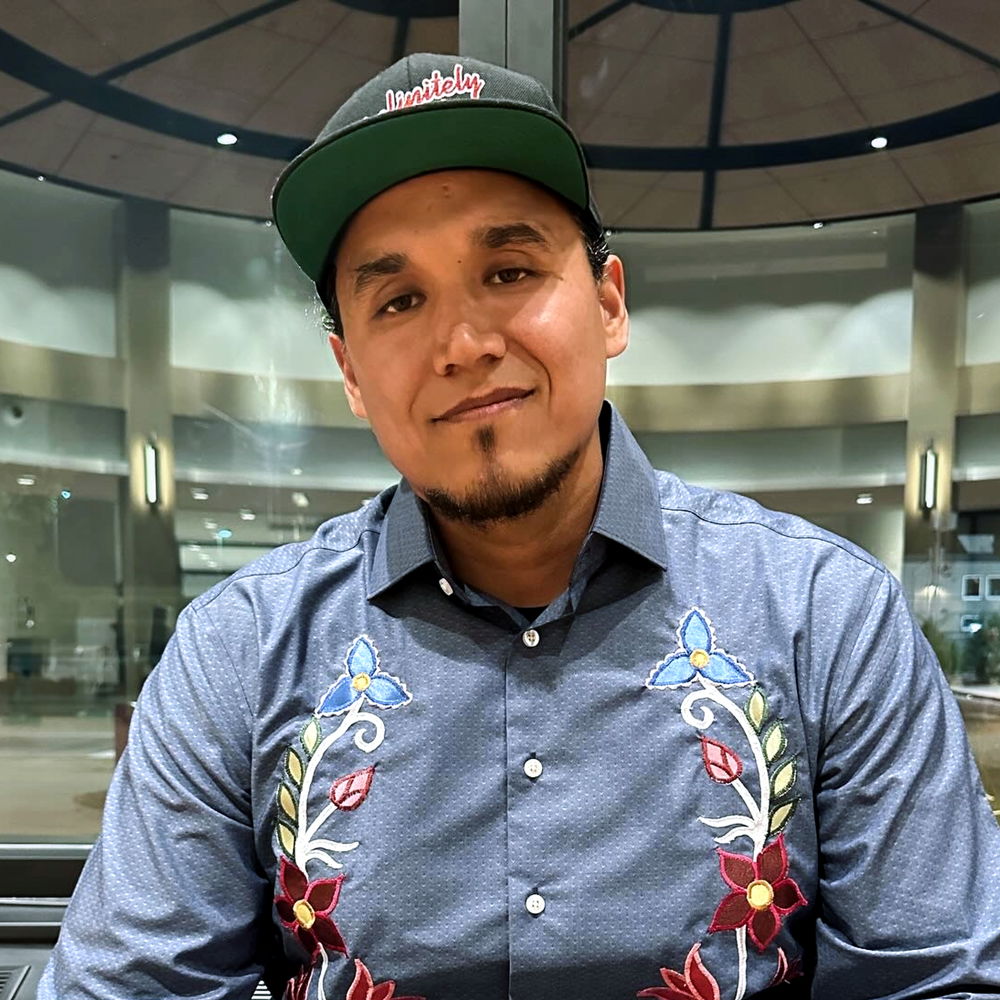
[151, 471]
[928, 479]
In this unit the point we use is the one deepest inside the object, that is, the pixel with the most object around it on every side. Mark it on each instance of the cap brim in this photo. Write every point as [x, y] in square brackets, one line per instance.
[324, 186]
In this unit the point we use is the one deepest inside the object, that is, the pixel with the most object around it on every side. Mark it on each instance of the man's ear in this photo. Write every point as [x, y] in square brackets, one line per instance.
[611, 294]
[351, 390]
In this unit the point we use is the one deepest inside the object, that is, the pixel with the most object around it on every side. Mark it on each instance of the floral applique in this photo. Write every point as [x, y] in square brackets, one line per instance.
[698, 656]
[308, 895]
[365, 988]
[305, 907]
[762, 893]
[364, 680]
[695, 983]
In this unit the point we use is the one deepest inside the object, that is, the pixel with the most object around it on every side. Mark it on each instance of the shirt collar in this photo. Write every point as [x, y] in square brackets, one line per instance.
[628, 512]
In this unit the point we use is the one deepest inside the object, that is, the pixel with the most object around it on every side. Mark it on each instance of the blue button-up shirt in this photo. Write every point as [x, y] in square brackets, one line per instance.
[725, 757]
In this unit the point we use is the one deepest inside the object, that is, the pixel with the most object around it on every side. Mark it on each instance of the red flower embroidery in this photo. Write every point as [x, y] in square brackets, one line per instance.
[786, 971]
[298, 988]
[697, 983]
[721, 763]
[762, 893]
[365, 988]
[305, 907]
[348, 792]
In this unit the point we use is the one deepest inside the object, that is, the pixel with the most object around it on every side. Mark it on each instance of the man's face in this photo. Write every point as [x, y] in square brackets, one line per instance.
[475, 337]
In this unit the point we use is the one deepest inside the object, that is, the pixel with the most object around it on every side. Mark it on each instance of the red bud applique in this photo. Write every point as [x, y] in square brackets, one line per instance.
[721, 763]
[348, 792]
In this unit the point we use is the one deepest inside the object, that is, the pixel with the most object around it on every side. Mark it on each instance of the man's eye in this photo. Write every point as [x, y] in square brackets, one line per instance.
[399, 304]
[508, 275]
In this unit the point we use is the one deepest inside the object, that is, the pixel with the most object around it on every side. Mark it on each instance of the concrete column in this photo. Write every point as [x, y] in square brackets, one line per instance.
[937, 351]
[151, 593]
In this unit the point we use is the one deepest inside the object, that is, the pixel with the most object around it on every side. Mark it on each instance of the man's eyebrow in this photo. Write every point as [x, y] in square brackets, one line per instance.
[372, 270]
[497, 237]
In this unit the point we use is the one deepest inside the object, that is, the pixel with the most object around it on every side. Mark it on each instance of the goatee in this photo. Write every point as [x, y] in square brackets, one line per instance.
[497, 496]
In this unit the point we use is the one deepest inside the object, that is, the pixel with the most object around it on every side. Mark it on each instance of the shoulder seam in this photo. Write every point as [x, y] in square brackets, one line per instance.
[285, 569]
[874, 564]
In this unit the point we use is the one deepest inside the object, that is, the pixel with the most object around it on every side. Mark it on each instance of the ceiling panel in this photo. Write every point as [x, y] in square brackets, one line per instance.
[132, 29]
[673, 202]
[825, 119]
[307, 20]
[47, 26]
[233, 107]
[895, 55]
[433, 34]
[121, 157]
[828, 18]
[781, 82]
[922, 98]
[856, 185]
[15, 95]
[247, 59]
[43, 141]
[240, 185]
[764, 31]
[975, 22]
[753, 198]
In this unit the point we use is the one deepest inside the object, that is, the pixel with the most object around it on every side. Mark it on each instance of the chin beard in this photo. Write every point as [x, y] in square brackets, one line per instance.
[497, 496]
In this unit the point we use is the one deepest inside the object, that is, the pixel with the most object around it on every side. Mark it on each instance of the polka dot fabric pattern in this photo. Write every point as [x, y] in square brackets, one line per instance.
[749, 771]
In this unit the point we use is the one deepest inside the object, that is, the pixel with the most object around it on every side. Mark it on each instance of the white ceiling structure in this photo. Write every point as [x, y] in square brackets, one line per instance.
[694, 113]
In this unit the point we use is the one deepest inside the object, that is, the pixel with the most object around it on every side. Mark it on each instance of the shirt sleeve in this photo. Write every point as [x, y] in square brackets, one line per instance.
[910, 849]
[172, 901]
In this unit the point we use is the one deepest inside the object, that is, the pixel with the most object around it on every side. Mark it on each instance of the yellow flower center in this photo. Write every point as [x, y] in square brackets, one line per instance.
[760, 895]
[699, 659]
[304, 914]
[361, 682]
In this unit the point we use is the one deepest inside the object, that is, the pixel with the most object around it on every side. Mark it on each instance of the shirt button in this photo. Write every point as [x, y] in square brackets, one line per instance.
[530, 639]
[534, 904]
[533, 768]
[446, 587]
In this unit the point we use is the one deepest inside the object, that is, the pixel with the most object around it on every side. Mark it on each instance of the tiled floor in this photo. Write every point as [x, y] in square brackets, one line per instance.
[54, 771]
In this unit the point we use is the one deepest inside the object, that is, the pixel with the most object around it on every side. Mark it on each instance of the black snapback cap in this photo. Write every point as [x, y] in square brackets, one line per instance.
[424, 113]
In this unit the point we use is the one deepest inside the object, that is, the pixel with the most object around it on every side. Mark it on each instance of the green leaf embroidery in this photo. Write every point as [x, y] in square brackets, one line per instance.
[287, 839]
[293, 764]
[310, 736]
[756, 708]
[780, 816]
[286, 801]
[774, 741]
[783, 779]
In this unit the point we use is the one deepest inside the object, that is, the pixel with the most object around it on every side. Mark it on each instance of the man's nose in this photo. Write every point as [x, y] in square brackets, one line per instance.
[466, 339]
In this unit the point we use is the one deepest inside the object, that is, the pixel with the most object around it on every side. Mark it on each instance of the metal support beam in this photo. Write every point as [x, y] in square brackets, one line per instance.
[937, 353]
[151, 592]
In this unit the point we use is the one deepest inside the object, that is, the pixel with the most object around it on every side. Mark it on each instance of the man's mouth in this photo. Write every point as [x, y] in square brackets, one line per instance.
[486, 405]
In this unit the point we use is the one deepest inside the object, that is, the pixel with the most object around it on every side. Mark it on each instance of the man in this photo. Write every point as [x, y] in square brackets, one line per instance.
[540, 721]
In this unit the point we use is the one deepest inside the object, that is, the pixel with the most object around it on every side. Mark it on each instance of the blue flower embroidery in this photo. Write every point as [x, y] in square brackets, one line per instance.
[364, 680]
[698, 654]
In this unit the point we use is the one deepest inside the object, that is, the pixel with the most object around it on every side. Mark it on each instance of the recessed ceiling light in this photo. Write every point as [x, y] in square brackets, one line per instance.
[211, 525]
[25, 480]
[197, 493]
[223, 533]
[40, 177]
[246, 514]
[268, 224]
[65, 494]
[226, 139]
[296, 471]
[879, 142]
[818, 225]
[10, 557]
[864, 498]
[300, 500]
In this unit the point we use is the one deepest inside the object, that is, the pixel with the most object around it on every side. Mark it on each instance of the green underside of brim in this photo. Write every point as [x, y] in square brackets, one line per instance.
[320, 192]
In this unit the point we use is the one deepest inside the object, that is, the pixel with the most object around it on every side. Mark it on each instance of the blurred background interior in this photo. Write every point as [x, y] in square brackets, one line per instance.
[805, 194]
